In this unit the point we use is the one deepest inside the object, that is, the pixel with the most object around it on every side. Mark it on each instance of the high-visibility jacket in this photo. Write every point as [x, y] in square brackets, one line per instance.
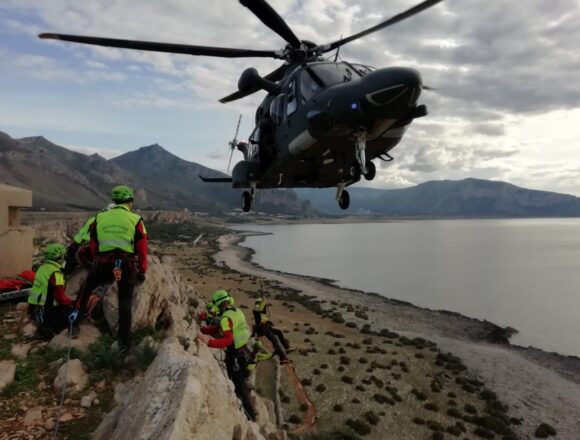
[116, 229]
[84, 235]
[39, 291]
[239, 326]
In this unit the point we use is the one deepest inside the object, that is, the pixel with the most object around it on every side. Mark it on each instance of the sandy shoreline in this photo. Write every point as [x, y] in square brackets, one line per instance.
[538, 386]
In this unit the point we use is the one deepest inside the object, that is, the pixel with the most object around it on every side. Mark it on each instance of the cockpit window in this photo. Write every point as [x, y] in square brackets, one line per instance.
[362, 69]
[309, 85]
[334, 73]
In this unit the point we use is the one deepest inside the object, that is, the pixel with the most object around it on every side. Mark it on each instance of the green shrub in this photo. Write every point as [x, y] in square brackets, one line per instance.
[371, 417]
[320, 388]
[359, 426]
[145, 354]
[469, 408]
[544, 431]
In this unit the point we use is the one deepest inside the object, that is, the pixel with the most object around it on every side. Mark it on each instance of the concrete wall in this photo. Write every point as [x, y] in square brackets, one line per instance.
[15, 240]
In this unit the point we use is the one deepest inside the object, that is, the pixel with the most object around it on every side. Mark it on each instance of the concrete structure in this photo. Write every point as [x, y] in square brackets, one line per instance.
[15, 240]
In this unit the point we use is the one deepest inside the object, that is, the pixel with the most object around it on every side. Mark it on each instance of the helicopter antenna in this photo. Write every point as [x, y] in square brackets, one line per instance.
[338, 49]
[233, 143]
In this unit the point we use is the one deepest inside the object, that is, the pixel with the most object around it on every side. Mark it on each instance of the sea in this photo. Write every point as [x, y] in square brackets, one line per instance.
[522, 273]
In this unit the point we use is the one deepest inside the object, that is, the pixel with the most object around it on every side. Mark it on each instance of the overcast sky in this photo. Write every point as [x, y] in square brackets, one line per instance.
[508, 74]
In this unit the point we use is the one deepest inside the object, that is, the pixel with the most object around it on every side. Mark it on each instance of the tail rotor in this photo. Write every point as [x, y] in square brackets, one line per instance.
[234, 143]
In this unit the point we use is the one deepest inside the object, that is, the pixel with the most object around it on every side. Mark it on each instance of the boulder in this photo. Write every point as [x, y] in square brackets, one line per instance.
[181, 396]
[74, 376]
[7, 371]
[22, 307]
[163, 289]
[88, 335]
[88, 400]
[20, 351]
[29, 330]
[161, 301]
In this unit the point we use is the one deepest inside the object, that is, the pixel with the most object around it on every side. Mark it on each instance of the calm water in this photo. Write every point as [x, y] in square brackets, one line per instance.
[521, 273]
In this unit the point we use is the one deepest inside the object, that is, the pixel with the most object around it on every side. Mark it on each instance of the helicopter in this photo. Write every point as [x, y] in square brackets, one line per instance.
[322, 123]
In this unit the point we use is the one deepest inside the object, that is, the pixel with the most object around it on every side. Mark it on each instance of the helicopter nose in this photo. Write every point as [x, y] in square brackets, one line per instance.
[395, 87]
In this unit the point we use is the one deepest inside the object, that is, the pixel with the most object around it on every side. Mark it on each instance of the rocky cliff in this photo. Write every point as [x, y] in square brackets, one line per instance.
[184, 394]
[65, 180]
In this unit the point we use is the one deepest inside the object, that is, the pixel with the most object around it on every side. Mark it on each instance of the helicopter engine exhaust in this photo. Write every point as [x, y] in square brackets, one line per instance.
[250, 79]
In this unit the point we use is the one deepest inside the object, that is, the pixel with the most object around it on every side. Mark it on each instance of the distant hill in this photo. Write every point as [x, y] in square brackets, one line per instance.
[62, 179]
[447, 198]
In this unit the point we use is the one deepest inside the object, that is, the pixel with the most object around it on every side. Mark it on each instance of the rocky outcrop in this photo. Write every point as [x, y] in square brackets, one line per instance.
[184, 393]
[160, 302]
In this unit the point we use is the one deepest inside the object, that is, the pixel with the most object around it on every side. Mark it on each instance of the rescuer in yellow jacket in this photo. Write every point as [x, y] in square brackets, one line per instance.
[48, 304]
[119, 247]
[263, 326]
[235, 336]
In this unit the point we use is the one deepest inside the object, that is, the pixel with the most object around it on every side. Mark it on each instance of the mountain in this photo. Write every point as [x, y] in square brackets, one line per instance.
[171, 182]
[62, 179]
[59, 178]
[464, 198]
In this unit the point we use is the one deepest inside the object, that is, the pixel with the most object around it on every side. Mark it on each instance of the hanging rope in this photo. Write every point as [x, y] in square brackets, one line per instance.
[71, 319]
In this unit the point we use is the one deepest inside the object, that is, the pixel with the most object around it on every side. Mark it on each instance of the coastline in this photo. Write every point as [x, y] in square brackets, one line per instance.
[537, 385]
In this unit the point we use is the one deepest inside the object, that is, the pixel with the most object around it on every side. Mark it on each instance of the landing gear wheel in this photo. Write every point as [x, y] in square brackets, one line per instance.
[246, 201]
[371, 171]
[344, 199]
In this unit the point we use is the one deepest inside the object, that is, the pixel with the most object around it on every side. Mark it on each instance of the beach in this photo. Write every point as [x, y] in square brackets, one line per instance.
[537, 386]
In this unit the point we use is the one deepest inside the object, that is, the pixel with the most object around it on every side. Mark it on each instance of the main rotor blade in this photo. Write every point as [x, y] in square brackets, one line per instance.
[397, 18]
[275, 75]
[270, 18]
[224, 52]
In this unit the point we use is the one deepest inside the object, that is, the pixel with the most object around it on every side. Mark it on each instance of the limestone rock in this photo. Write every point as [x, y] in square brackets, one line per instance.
[22, 307]
[76, 377]
[49, 424]
[180, 396]
[20, 351]
[66, 417]
[7, 370]
[159, 302]
[10, 337]
[33, 416]
[87, 401]
[88, 335]
[29, 330]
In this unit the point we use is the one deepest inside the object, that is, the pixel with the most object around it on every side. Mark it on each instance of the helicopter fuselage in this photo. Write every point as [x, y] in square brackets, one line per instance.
[310, 133]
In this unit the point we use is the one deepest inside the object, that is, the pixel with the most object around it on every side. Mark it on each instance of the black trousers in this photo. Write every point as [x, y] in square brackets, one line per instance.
[102, 273]
[276, 337]
[54, 319]
[237, 368]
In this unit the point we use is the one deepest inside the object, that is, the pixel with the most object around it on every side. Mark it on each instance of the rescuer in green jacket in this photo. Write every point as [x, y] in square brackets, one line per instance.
[119, 248]
[48, 304]
[79, 248]
[235, 336]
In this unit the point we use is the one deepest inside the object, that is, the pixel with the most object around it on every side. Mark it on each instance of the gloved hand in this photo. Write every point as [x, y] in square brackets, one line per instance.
[140, 278]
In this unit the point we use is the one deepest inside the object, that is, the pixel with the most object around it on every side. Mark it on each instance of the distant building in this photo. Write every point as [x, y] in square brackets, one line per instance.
[15, 240]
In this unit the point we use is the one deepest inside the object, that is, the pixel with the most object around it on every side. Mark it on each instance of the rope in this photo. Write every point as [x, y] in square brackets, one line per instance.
[71, 319]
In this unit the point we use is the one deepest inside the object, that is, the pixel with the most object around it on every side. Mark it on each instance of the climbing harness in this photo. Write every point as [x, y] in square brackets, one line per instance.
[71, 319]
